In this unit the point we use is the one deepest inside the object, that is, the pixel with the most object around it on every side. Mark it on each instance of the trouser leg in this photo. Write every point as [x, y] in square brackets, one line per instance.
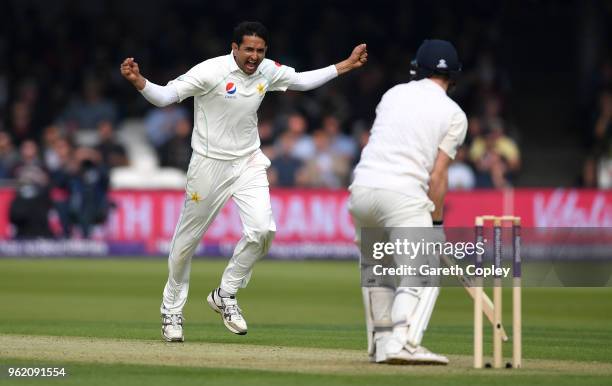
[252, 196]
[377, 300]
[415, 297]
[208, 189]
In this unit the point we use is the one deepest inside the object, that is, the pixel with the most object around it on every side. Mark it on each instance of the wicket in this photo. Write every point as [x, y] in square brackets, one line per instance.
[479, 294]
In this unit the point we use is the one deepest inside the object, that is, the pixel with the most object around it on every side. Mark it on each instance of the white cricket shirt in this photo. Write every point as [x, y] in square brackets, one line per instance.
[226, 102]
[413, 120]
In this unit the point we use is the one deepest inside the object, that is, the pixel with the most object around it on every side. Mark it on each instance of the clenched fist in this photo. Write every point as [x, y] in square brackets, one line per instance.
[358, 58]
[131, 72]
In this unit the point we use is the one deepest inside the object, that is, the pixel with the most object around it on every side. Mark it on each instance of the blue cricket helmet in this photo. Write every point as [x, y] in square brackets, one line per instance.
[435, 57]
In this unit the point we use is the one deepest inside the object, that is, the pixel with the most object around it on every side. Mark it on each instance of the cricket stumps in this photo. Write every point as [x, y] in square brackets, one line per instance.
[479, 295]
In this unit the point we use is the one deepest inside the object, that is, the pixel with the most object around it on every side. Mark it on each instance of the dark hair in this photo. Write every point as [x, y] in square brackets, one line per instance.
[250, 28]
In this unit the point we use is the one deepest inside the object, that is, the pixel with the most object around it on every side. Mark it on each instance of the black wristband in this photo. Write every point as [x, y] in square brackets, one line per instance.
[438, 223]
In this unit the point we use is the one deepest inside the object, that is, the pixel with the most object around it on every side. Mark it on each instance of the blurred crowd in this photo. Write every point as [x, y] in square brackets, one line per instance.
[597, 119]
[57, 174]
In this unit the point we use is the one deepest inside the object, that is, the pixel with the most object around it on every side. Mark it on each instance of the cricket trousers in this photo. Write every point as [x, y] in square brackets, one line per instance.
[378, 208]
[210, 184]
[395, 309]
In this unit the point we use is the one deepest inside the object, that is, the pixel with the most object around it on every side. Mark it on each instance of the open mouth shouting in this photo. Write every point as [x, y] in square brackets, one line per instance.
[250, 66]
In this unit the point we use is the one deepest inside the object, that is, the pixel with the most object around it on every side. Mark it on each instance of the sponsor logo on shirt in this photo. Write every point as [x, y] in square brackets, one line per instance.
[230, 88]
[277, 64]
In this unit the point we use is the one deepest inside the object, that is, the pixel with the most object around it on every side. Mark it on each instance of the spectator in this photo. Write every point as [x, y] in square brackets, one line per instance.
[361, 133]
[285, 168]
[29, 163]
[62, 173]
[160, 124]
[29, 209]
[493, 106]
[50, 135]
[90, 109]
[21, 123]
[496, 157]
[326, 169]
[297, 127]
[588, 177]
[475, 130]
[28, 95]
[603, 140]
[460, 174]
[604, 173]
[603, 126]
[8, 156]
[266, 136]
[341, 144]
[89, 202]
[112, 152]
[176, 153]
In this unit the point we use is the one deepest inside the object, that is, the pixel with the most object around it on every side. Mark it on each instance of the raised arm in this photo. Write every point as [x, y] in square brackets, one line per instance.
[308, 80]
[158, 95]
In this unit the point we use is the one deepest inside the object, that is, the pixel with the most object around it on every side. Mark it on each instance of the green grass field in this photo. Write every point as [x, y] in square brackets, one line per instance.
[100, 320]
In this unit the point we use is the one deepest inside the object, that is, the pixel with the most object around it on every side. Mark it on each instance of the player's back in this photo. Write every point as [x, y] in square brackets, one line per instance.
[411, 121]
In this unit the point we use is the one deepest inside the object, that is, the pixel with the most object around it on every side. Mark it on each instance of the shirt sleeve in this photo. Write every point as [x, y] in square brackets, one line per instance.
[455, 135]
[199, 80]
[304, 81]
[279, 76]
[158, 95]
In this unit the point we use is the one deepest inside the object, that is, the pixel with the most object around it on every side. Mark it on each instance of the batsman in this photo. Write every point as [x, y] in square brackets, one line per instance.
[400, 181]
[226, 161]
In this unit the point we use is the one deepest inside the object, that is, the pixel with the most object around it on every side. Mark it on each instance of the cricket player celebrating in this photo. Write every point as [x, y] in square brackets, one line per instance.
[226, 161]
[401, 181]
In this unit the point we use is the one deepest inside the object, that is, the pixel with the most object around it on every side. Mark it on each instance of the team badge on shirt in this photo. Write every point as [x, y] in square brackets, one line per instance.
[195, 197]
[261, 88]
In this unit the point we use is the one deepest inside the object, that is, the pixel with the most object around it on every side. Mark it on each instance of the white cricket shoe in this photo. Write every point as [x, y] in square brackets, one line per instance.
[380, 341]
[229, 310]
[172, 328]
[398, 354]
